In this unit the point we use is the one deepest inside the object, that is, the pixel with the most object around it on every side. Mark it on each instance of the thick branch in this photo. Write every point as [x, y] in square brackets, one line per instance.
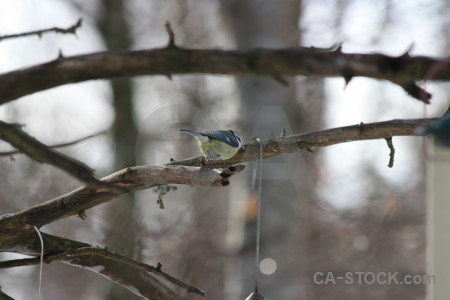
[403, 70]
[70, 30]
[114, 264]
[137, 178]
[308, 141]
[139, 278]
[16, 232]
[133, 179]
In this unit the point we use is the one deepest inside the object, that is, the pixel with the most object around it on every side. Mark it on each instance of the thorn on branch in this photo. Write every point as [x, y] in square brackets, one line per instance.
[408, 51]
[361, 128]
[333, 48]
[60, 55]
[73, 29]
[189, 288]
[338, 48]
[392, 153]
[171, 43]
[347, 78]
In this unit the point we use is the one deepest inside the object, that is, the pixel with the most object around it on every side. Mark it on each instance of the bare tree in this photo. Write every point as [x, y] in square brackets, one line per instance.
[18, 230]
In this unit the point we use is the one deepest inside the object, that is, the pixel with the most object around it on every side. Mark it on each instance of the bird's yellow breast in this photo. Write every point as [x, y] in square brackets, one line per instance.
[215, 149]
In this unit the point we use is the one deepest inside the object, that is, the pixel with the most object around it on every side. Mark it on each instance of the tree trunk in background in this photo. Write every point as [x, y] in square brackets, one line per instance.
[268, 106]
[116, 33]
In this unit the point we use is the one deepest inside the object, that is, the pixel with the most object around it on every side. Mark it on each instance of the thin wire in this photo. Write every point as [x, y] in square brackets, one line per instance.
[255, 169]
[258, 218]
[42, 262]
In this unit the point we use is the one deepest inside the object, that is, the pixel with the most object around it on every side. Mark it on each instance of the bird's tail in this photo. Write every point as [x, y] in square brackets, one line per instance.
[192, 132]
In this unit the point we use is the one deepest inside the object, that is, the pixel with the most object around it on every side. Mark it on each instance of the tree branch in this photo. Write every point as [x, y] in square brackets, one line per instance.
[4, 296]
[70, 30]
[106, 258]
[133, 179]
[17, 234]
[178, 172]
[139, 278]
[16, 230]
[13, 134]
[11, 153]
[403, 70]
[308, 141]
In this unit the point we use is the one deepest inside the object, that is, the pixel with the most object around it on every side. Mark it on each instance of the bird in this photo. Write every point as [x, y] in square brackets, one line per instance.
[217, 144]
[439, 129]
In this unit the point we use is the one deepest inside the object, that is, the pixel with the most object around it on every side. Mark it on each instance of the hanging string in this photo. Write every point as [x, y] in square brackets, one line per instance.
[42, 262]
[258, 217]
[257, 295]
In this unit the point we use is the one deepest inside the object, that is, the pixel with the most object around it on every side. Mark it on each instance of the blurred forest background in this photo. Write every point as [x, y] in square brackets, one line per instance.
[339, 209]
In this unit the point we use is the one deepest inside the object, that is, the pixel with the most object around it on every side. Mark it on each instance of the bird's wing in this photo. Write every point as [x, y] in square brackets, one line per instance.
[222, 137]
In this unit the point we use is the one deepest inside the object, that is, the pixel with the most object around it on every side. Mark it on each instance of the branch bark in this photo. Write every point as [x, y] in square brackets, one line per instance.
[139, 278]
[16, 231]
[184, 172]
[309, 141]
[17, 234]
[133, 179]
[403, 70]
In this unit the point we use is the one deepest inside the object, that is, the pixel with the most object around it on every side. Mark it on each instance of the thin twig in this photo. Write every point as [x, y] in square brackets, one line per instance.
[92, 251]
[56, 146]
[392, 153]
[13, 134]
[191, 289]
[70, 30]
[171, 43]
[22, 262]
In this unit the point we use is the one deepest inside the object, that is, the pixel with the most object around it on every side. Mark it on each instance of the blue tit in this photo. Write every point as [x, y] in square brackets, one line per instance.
[217, 145]
[439, 129]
